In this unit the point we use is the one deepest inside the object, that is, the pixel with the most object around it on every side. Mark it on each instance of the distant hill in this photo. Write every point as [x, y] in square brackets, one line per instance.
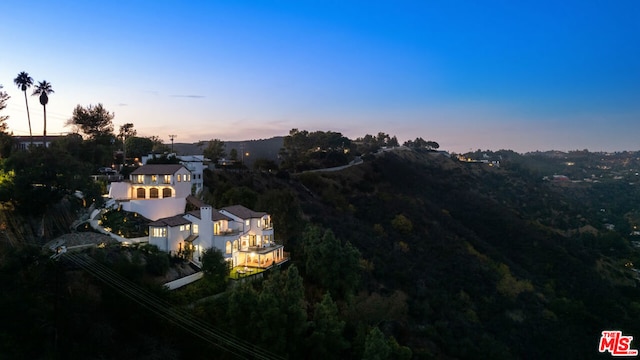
[256, 149]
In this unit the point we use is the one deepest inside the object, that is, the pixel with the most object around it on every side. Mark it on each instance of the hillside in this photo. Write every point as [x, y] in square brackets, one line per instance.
[492, 259]
[411, 252]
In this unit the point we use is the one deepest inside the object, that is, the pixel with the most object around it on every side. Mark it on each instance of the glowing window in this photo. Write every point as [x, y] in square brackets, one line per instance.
[159, 232]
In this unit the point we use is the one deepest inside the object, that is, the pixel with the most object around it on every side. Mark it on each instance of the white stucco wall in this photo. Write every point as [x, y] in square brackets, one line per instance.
[155, 209]
[119, 190]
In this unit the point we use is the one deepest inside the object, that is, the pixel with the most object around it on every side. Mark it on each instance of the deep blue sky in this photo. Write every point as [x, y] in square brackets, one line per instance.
[467, 74]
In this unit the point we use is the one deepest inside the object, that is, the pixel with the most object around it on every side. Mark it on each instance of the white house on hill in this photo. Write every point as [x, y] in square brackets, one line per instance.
[154, 191]
[161, 193]
[244, 236]
[194, 163]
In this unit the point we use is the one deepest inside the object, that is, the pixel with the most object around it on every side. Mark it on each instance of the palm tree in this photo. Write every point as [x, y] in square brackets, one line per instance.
[24, 81]
[44, 89]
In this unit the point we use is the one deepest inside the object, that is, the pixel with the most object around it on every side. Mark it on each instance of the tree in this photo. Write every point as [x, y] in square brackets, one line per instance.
[242, 303]
[327, 339]
[138, 146]
[419, 143]
[24, 82]
[432, 145]
[165, 158]
[376, 346]
[94, 121]
[285, 211]
[233, 154]
[43, 89]
[3, 104]
[264, 164]
[42, 178]
[215, 267]
[282, 318]
[303, 150]
[214, 150]
[334, 266]
[158, 145]
[402, 224]
[157, 262]
[239, 195]
[126, 131]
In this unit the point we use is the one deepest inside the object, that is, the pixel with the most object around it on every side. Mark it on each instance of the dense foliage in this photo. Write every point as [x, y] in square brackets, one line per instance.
[410, 254]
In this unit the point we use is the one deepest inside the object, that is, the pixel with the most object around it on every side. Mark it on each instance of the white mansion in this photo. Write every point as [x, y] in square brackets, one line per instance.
[162, 193]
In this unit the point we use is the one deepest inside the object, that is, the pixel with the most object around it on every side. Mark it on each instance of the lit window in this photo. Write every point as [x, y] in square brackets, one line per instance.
[188, 226]
[140, 179]
[167, 179]
[195, 229]
[154, 178]
[181, 227]
[247, 222]
[179, 178]
[159, 232]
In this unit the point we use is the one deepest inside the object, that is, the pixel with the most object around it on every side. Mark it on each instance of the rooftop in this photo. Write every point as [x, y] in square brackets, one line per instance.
[157, 169]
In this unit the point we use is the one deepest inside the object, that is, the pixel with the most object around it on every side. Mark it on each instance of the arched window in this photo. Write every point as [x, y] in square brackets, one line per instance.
[140, 193]
[153, 193]
[228, 247]
[166, 192]
[235, 244]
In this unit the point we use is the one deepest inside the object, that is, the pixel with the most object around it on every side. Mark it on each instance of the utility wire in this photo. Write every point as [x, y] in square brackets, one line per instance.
[232, 344]
[162, 308]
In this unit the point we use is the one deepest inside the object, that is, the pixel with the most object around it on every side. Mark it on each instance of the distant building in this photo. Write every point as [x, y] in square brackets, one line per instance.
[23, 142]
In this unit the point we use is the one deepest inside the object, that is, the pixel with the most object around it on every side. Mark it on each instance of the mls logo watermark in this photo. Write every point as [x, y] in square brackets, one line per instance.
[618, 345]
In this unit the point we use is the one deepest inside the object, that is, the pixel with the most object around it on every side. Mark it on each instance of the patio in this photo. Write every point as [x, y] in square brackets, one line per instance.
[243, 271]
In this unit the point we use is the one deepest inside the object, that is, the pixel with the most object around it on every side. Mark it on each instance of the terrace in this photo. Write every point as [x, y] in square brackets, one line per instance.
[244, 271]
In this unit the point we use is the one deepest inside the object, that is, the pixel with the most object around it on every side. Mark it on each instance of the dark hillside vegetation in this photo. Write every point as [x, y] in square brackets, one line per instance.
[411, 254]
[490, 257]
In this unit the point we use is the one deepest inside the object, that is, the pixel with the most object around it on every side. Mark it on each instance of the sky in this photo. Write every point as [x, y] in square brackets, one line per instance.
[490, 75]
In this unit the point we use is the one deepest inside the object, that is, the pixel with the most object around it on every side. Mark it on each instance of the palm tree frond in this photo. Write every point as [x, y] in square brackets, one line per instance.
[43, 87]
[23, 81]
